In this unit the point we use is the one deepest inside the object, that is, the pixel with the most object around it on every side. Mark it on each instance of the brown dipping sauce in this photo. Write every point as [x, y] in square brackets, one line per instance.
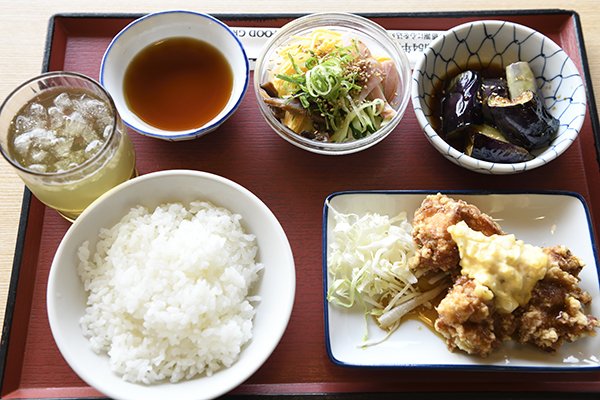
[178, 83]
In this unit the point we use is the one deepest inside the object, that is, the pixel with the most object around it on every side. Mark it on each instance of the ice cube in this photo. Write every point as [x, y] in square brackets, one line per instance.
[93, 147]
[76, 126]
[22, 143]
[38, 156]
[77, 157]
[104, 122]
[37, 138]
[38, 114]
[37, 167]
[43, 139]
[91, 108]
[26, 123]
[62, 147]
[36, 110]
[56, 118]
[63, 102]
[61, 165]
[89, 135]
[23, 124]
[74, 159]
[107, 131]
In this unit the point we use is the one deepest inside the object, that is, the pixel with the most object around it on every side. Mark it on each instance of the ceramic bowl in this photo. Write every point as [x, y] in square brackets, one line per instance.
[66, 297]
[158, 26]
[351, 26]
[480, 44]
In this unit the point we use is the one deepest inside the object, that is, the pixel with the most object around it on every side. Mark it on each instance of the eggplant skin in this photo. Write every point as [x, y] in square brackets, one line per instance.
[524, 120]
[461, 105]
[491, 87]
[489, 149]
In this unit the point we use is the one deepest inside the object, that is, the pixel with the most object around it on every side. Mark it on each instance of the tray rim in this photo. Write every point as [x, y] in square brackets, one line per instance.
[448, 367]
[27, 195]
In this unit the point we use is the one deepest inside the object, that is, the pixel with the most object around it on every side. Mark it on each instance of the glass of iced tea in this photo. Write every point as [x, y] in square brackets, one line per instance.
[62, 133]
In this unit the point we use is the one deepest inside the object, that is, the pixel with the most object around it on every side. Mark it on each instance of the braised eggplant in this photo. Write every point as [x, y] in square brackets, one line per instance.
[487, 143]
[523, 120]
[497, 119]
[461, 105]
[491, 87]
[520, 79]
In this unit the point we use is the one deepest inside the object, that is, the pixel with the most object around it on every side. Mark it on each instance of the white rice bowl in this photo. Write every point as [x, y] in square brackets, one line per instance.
[173, 306]
[168, 291]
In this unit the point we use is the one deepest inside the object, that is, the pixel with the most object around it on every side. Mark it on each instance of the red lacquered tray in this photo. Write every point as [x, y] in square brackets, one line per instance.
[294, 184]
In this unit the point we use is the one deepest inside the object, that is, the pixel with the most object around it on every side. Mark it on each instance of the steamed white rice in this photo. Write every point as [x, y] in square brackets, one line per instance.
[169, 291]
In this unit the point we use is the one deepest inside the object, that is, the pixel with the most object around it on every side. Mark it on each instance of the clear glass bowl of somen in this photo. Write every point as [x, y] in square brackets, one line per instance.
[332, 83]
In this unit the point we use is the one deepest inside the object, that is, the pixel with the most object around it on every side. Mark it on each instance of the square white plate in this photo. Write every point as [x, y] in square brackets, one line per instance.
[542, 219]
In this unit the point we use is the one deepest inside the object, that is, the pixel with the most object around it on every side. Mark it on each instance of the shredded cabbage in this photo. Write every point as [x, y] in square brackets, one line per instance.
[368, 262]
[368, 265]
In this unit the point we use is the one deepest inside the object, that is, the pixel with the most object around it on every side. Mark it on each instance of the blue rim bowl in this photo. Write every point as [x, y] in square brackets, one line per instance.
[157, 26]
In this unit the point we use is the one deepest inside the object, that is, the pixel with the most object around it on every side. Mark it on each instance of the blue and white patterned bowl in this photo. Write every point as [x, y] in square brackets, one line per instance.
[480, 44]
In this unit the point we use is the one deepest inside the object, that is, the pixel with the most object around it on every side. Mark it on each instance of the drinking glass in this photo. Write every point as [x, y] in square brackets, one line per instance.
[71, 190]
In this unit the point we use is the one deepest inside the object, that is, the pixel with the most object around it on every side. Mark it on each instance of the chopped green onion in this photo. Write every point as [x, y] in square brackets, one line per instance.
[327, 90]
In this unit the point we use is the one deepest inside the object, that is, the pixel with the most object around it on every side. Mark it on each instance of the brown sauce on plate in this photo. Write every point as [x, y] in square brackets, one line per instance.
[427, 313]
[178, 83]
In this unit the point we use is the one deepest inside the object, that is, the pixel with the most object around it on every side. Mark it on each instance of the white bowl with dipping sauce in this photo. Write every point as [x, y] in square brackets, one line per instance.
[66, 297]
[154, 29]
[480, 44]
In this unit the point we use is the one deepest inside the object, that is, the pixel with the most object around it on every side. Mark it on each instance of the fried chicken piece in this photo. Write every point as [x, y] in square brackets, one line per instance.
[555, 314]
[468, 318]
[436, 251]
[561, 256]
[468, 321]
